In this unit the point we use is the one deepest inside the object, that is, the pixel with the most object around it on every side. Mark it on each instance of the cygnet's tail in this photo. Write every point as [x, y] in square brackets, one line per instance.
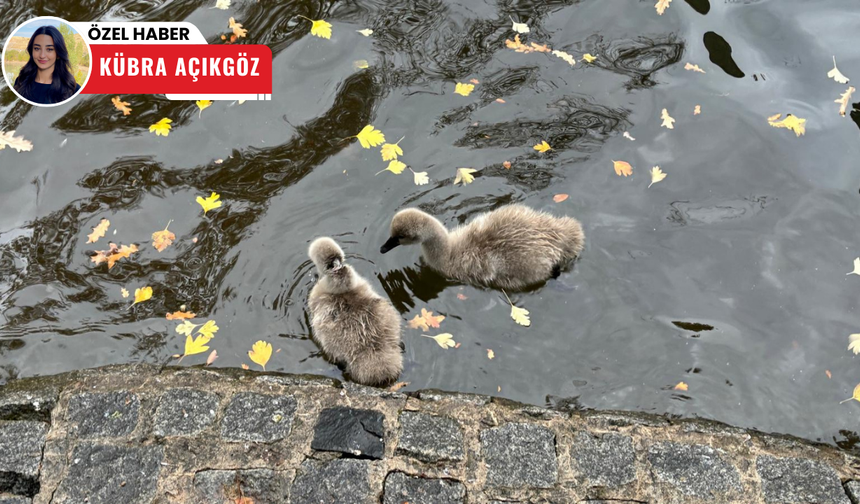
[377, 367]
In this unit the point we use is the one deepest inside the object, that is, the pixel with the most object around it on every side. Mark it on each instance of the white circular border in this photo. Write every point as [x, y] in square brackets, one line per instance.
[12, 84]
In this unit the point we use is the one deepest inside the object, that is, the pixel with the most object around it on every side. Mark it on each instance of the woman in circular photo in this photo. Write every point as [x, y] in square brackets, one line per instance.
[47, 76]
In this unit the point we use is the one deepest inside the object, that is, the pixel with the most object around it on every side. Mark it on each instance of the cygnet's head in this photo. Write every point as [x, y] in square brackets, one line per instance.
[411, 226]
[326, 255]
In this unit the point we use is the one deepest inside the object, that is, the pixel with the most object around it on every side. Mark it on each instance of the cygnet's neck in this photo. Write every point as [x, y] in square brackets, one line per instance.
[435, 246]
[338, 282]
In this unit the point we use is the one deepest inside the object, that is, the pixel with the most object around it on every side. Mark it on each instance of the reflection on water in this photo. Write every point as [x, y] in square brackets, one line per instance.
[728, 275]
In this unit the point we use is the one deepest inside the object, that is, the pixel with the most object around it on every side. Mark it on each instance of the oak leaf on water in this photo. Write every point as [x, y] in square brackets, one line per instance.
[98, 231]
[8, 138]
[444, 340]
[426, 320]
[662, 5]
[622, 168]
[121, 105]
[844, 99]
[114, 254]
[260, 353]
[162, 239]
[793, 123]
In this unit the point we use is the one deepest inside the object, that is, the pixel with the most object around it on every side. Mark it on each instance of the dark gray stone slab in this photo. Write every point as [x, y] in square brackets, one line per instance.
[105, 474]
[430, 438]
[258, 417]
[261, 485]
[853, 489]
[32, 405]
[21, 445]
[605, 460]
[520, 454]
[348, 430]
[696, 470]
[14, 499]
[104, 414]
[341, 481]
[400, 488]
[184, 412]
[798, 480]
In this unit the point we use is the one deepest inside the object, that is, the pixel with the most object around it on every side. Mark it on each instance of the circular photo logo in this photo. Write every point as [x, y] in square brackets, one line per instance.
[46, 62]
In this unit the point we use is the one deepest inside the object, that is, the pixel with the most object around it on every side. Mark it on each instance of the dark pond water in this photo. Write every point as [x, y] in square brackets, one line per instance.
[752, 233]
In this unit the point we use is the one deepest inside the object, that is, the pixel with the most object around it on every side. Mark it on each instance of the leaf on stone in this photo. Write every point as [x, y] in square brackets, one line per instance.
[186, 328]
[681, 386]
[391, 151]
[161, 128]
[421, 178]
[260, 353]
[397, 386]
[366, 32]
[124, 292]
[209, 203]
[662, 5]
[490, 354]
[589, 58]
[656, 175]
[212, 357]
[444, 340]
[844, 100]
[558, 198]
[426, 320]
[237, 28]
[697, 110]
[856, 267]
[17, 143]
[99, 231]
[180, 315]
[121, 105]
[854, 343]
[565, 56]
[694, 68]
[464, 89]
[836, 75]
[622, 168]
[542, 146]
[162, 239]
[519, 27]
[464, 175]
[202, 104]
[142, 294]
[209, 329]
[114, 254]
[855, 397]
[396, 167]
[370, 137]
[793, 123]
[668, 121]
[520, 315]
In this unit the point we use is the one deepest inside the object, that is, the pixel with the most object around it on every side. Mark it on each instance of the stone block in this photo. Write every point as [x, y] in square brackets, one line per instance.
[21, 445]
[799, 480]
[430, 438]
[605, 460]
[258, 417]
[520, 455]
[697, 470]
[106, 474]
[261, 485]
[109, 414]
[352, 431]
[184, 412]
[341, 481]
[400, 488]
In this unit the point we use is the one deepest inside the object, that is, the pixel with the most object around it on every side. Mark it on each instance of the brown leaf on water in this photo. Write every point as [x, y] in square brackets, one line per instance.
[180, 315]
[114, 254]
[681, 386]
[697, 110]
[237, 29]
[212, 357]
[507, 165]
[474, 81]
[18, 143]
[827, 371]
[245, 366]
[397, 386]
[462, 297]
[558, 198]
[121, 105]
[622, 168]
[662, 5]
[499, 100]
[518, 46]
[426, 320]
[162, 239]
[98, 231]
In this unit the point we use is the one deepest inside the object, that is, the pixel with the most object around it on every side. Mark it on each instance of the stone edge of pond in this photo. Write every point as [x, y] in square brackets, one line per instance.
[148, 434]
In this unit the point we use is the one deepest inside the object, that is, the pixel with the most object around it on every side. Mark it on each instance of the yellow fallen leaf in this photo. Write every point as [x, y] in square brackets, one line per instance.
[490, 354]
[195, 346]
[260, 353]
[464, 89]
[565, 56]
[421, 177]
[124, 292]
[396, 167]
[366, 32]
[520, 315]
[186, 328]
[668, 121]
[854, 343]
[519, 27]
[397, 386]
[558, 198]
[662, 5]
[142, 294]
[237, 28]
[426, 320]
[209, 329]
[360, 64]
[202, 104]
[836, 75]
[391, 151]
[162, 239]
[793, 123]
[162, 127]
[212, 357]
[17, 143]
[321, 28]
[444, 340]
[588, 57]
[180, 315]
[681, 386]
[844, 99]
[855, 397]
[694, 68]
[697, 110]
[542, 146]
[209, 203]
[222, 4]
[656, 175]
[121, 105]
[114, 254]
[856, 267]
[622, 168]
[369, 137]
[464, 175]
[98, 231]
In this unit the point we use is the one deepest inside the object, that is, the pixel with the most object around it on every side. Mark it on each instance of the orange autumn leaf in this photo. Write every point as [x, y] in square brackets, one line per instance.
[397, 386]
[245, 366]
[507, 165]
[499, 100]
[98, 231]
[180, 315]
[681, 386]
[462, 297]
[121, 105]
[426, 320]
[238, 31]
[162, 239]
[474, 81]
[623, 168]
[558, 198]
[114, 254]
[829, 375]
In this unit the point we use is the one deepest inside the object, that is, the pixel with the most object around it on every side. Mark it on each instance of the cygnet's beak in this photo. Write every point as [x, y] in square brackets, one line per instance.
[392, 242]
[336, 265]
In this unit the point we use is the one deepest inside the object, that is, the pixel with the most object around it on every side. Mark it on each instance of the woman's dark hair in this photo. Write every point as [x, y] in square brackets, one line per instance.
[63, 83]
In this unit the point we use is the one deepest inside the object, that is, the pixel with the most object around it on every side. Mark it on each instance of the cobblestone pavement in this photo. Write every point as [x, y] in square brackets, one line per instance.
[145, 434]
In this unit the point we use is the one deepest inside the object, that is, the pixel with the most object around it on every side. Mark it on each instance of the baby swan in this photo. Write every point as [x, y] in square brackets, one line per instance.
[353, 324]
[511, 247]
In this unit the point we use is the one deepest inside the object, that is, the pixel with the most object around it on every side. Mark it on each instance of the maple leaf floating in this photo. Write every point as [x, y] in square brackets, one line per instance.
[542, 147]
[622, 168]
[209, 203]
[113, 254]
[662, 5]
[855, 397]
[260, 353]
[121, 105]
[464, 175]
[238, 31]
[844, 99]
[142, 294]
[668, 121]
[694, 68]
[444, 340]
[856, 267]
[589, 58]
[180, 315]
[98, 231]
[681, 386]
[519, 27]
[426, 320]
[202, 104]
[656, 175]
[162, 239]
[124, 292]
[369, 137]
[836, 75]
[391, 151]
[520, 315]
[854, 343]
[420, 178]
[463, 89]
[161, 128]
[366, 32]
[396, 167]
[793, 123]
[18, 143]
